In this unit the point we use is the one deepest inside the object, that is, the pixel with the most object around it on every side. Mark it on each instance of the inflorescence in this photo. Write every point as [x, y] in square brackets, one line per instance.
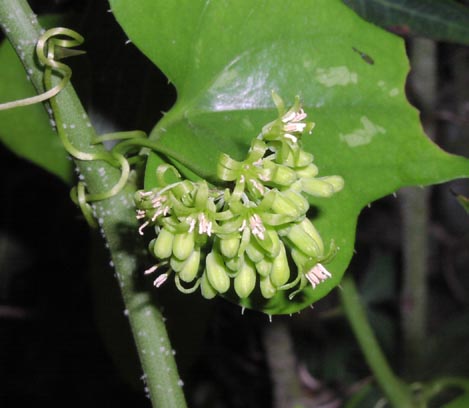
[208, 236]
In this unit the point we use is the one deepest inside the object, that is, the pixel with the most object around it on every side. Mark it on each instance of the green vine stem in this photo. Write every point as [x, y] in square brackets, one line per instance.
[415, 211]
[397, 392]
[115, 215]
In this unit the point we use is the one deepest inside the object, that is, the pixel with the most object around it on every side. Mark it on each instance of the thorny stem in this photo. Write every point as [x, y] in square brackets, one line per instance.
[397, 393]
[116, 215]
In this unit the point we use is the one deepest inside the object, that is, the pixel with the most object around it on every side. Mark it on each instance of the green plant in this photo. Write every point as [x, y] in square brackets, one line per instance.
[224, 65]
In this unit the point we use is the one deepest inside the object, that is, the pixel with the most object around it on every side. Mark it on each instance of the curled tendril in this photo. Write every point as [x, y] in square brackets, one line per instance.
[46, 57]
[53, 45]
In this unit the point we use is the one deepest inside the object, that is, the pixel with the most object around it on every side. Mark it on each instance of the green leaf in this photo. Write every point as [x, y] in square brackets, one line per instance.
[225, 58]
[27, 131]
[444, 20]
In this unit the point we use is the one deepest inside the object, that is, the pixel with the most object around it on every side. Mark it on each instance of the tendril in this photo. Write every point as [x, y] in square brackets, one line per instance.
[53, 45]
[62, 69]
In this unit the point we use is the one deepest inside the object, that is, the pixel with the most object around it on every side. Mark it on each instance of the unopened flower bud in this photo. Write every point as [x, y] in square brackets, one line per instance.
[229, 246]
[267, 289]
[216, 272]
[317, 187]
[298, 199]
[309, 171]
[280, 272]
[189, 269]
[303, 159]
[336, 182]
[233, 263]
[207, 290]
[283, 175]
[176, 264]
[245, 280]
[264, 267]
[284, 206]
[254, 252]
[311, 230]
[163, 246]
[183, 245]
[305, 242]
[270, 244]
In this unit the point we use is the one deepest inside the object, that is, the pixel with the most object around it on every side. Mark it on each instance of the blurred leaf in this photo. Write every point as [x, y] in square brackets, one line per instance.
[444, 20]
[225, 58]
[460, 402]
[27, 131]
[464, 201]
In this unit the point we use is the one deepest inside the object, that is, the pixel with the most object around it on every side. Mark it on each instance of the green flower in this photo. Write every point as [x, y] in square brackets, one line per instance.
[250, 230]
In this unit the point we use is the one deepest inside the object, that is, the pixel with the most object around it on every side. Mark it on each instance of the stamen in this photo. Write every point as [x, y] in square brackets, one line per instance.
[191, 223]
[151, 270]
[294, 127]
[141, 214]
[289, 116]
[140, 230]
[317, 274]
[256, 226]
[243, 226]
[145, 193]
[160, 280]
[289, 136]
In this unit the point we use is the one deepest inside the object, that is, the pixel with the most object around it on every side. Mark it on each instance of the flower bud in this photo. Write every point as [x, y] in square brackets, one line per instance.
[264, 267]
[283, 175]
[336, 182]
[245, 280]
[176, 264]
[317, 187]
[270, 244]
[189, 270]
[311, 230]
[267, 289]
[163, 246]
[308, 171]
[280, 272]
[309, 245]
[229, 246]
[254, 252]
[233, 263]
[183, 245]
[207, 290]
[298, 199]
[283, 205]
[216, 272]
[303, 159]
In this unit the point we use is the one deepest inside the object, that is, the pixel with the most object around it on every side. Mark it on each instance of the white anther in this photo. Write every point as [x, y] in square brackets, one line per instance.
[160, 280]
[317, 274]
[294, 127]
[289, 136]
[151, 270]
[257, 228]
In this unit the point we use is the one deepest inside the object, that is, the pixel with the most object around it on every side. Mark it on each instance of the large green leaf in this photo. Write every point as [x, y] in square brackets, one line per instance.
[225, 57]
[444, 20]
[27, 131]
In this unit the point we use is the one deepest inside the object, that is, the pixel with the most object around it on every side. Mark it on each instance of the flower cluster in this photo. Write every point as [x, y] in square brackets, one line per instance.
[209, 236]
